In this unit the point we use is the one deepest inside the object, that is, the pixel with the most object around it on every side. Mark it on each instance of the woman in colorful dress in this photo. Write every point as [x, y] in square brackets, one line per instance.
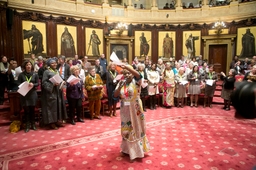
[28, 102]
[210, 85]
[181, 85]
[53, 103]
[133, 125]
[111, 86]
[94, 85]
[168, 86]
[153, 80]
[143, 91]
[194, 89]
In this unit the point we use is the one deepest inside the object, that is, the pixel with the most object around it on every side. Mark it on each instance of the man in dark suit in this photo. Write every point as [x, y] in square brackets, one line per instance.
[63, 68]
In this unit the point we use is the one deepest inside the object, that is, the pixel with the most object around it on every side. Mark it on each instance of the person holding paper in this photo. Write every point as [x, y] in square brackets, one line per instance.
[53, 103]
[144, 85]
[133, 125]
[111, 86]
[75, 95]
[28, 102]
[168, 86]
[94, 85]
[153, 79]
[194, 78]
[181, 85]
[210, 85]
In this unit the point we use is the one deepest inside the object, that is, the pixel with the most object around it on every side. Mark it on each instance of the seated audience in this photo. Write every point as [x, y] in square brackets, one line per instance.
[166, 6]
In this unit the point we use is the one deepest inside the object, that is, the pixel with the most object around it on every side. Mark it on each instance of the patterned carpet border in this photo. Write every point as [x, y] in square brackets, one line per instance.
[92, 138]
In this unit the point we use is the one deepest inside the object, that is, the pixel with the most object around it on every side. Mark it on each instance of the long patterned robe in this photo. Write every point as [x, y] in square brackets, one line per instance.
[168, 88]
[133, 124]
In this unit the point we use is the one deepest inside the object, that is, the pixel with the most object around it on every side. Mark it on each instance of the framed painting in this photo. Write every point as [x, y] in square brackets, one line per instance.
[94, 42]
[34, 38]
[166, 44]
[191, 45]
[245, 47]
[143, 44]
[67, 40]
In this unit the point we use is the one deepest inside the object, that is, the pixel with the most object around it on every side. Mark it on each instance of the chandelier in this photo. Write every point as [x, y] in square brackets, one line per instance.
[121, 27]
[219, 25]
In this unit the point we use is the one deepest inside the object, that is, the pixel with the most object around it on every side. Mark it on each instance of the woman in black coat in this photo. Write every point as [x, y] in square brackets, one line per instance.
[228, 87]
[53, 104]
[28, 102]
[111, 86]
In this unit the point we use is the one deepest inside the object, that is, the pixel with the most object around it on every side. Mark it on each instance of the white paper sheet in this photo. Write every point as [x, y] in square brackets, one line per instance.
[184, 82]
[151, 89]
[118, 77]
[56, 79]
[72, 79]
[115, 59]
[209, 82]
[143, 83]
[18, 71]
[24, 88]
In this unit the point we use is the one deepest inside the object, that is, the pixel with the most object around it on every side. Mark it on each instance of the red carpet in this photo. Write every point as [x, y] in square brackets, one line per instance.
[181, 138]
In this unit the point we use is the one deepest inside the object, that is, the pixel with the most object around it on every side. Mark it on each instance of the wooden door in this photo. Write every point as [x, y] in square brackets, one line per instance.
[218, 57]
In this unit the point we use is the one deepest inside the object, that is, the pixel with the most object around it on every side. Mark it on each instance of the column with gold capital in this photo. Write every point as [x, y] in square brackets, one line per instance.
[154, 5]
[205, 5]
[178, 5]
[105, 3]
[130, 3]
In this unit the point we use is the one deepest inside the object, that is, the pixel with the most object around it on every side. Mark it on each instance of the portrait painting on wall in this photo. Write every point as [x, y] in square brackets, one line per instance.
[34, 38]
[191, 43]
[246, 42]
[166, 44]
[94, 42]
[67, 40]
[143, 44]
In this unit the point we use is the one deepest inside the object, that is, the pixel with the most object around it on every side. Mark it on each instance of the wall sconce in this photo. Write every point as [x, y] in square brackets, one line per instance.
[219, 25]
[121, 27]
